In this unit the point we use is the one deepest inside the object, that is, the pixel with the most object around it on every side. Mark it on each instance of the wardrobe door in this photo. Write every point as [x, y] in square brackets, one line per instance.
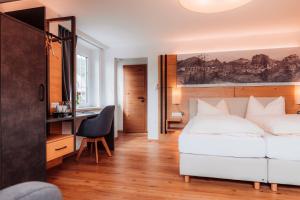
[23, 78]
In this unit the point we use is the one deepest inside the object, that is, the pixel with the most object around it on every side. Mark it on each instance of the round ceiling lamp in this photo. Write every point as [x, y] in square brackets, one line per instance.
[212, 6]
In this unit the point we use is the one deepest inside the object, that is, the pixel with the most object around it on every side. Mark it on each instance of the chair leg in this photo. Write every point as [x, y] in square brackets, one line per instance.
[82, 147]
[96, 150]
[106, 146]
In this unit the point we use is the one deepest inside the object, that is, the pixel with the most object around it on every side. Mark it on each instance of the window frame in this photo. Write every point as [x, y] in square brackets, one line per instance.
[86, 58]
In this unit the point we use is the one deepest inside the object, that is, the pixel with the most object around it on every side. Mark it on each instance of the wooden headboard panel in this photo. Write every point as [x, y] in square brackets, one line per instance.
[236, 105]
[288, 92]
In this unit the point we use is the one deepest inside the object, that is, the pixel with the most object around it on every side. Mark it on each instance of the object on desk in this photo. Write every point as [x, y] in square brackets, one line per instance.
[58, 109]
[95, 129]
[61, 108]
[62, 114]
[177, 114]
[54, 105]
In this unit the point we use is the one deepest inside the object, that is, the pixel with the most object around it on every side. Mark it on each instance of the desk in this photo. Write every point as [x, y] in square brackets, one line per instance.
[86, 114]
[81, 115]
[69, 140]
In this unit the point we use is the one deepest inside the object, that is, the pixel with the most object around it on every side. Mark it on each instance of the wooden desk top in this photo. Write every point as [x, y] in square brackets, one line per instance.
[80, 114]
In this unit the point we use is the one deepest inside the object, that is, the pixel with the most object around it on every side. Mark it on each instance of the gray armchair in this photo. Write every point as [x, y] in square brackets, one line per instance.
[31, 191]
[95, 129]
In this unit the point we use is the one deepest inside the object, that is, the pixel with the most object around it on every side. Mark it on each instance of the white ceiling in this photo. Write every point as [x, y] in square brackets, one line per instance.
[142, 22]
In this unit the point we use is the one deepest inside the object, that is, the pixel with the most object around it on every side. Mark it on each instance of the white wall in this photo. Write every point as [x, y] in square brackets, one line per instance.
[120, 87]
[226, 43]
[110, 85]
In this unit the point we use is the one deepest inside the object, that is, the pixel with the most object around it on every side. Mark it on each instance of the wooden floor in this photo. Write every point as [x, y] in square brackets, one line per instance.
[142, 169]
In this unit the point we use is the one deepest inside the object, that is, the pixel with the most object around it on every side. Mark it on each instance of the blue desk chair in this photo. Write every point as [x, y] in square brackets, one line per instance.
[95, 129]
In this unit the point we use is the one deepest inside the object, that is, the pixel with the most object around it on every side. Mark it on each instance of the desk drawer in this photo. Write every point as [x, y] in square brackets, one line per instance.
[59, 148]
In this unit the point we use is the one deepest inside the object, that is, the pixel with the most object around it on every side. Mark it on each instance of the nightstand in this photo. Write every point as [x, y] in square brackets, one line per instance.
[174, 124]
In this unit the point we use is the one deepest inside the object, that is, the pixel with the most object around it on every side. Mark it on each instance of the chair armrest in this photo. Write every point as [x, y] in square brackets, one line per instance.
[31, 191]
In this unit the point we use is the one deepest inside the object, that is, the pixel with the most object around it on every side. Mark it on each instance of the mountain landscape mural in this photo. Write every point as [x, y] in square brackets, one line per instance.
[259, 68]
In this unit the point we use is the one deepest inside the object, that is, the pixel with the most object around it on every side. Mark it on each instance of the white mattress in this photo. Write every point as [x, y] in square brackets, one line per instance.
[222, 145]
[283, 147]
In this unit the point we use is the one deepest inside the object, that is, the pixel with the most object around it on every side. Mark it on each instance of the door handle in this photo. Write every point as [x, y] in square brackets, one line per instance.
[141, 98]
[42, 92]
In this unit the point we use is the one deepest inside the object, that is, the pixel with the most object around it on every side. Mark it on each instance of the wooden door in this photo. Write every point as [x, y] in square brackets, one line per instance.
[23, 107]
[135, 99]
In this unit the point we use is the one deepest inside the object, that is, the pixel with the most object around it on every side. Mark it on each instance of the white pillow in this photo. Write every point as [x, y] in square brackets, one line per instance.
[207, 109]
[279, 125]
[276, 107]
[223, 125]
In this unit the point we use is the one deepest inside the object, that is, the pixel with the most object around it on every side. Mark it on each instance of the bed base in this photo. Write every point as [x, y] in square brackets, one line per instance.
[242, 169]
[284, 172]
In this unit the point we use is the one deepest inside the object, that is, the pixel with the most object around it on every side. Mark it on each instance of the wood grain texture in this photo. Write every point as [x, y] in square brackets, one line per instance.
[59, 146]
[145, 170]
[135, 98]
[163, 96]
[54, 163]
[288, 92]
[55, 74]
[55, 128]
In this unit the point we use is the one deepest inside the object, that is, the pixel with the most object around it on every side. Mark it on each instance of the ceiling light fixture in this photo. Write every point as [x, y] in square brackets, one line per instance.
[212, 6]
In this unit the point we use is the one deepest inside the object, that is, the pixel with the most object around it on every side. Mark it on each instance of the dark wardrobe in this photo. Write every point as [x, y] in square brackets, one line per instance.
[22, 105]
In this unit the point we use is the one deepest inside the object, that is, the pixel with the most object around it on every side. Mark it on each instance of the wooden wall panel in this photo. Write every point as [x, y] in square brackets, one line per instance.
[163, 92]
[197, 92]
[55, 128]
[288, 92]
[55, 74]
[172, 59]
[171, 81]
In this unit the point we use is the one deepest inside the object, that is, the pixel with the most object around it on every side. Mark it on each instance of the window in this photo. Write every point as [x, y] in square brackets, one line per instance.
[81, 81]
[87, 75]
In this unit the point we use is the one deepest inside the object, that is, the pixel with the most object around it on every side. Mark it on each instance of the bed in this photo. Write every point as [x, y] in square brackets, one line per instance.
[225, 157]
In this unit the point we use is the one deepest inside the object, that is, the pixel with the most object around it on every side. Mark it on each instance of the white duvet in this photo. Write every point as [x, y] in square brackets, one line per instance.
[223, 125]
[278, 124]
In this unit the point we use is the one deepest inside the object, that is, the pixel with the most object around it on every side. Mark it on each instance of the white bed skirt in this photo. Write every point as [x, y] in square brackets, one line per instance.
[244, 169]
[284, 172]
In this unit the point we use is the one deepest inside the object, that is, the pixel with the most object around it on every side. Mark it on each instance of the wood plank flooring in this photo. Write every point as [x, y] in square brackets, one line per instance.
[142, 169]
